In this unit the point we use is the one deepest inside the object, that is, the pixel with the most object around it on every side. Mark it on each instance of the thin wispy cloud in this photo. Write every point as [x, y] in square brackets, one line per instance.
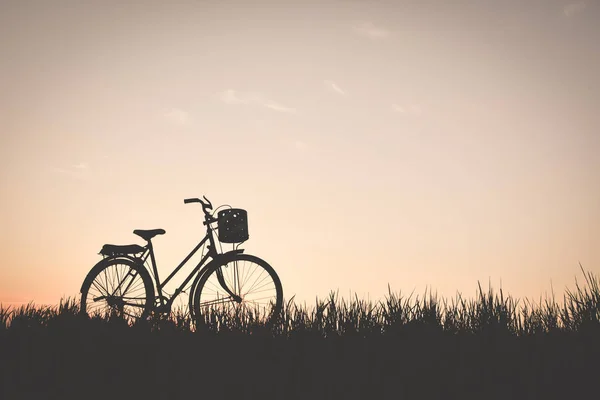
[81, 166]
[398, 108]
[369, 30]
[231, 96]
[573, 9]
[300, 145]
[279, 107]
[177, 116]
[77, 171]
[333, 86]
[412, 109]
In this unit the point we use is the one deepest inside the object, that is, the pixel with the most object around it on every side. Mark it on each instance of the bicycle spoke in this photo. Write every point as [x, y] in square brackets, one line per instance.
[255, 282]
[248, 277]
[117, 289]
[212, 302]
[99, 289]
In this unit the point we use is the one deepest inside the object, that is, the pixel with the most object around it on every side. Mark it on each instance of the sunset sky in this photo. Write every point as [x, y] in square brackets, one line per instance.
[410, 143]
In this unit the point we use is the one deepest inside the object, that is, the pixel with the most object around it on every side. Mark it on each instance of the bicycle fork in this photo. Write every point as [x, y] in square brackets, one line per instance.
[223, 284]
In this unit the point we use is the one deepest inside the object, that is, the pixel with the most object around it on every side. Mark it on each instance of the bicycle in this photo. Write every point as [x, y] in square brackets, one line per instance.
[120, 284]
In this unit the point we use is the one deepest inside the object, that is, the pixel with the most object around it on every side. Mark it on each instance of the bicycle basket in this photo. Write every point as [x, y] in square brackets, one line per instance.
[233, 225]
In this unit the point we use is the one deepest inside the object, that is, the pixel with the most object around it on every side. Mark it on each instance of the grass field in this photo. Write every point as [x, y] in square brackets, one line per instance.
[491, 346]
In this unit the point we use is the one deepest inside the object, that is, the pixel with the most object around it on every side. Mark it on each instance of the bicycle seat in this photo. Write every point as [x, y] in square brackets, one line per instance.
[149, 234]
[112, 249]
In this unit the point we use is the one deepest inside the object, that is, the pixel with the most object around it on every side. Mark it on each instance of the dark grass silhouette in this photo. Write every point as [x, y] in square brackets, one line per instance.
[490, 347]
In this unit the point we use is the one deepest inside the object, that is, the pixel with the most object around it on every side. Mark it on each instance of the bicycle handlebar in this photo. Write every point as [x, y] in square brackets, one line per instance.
[206, 207]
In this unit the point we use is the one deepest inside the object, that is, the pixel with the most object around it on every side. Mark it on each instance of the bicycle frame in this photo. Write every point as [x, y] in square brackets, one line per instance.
[199, 269]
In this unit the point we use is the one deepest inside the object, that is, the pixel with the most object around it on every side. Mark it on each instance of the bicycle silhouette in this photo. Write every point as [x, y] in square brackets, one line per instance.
[120, 284]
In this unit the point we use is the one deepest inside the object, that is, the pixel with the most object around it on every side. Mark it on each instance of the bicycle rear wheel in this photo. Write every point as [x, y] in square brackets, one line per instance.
[118, 287]
[243, 287]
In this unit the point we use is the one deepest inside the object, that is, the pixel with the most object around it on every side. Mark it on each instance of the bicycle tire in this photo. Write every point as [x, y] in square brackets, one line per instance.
[210, 275]
[144, 302]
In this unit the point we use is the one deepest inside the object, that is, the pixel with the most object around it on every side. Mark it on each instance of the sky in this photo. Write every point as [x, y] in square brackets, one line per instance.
[424, 145]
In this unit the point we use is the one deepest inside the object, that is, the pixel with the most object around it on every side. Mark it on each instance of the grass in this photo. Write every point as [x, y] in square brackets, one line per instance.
[492, 346]
[489, 312]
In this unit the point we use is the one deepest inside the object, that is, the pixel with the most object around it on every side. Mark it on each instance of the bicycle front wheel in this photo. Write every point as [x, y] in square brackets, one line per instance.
[117, 287]
[244, 286]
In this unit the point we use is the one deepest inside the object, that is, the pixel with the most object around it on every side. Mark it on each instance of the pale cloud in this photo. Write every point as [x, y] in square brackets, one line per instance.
[371, 31]
[177, 116]
[332, 85]
[231, 96]
[77, 171]
[279, 107]
[398, 108]
[81, 166]
[413, 109]
[572, 9]
[300, 146]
